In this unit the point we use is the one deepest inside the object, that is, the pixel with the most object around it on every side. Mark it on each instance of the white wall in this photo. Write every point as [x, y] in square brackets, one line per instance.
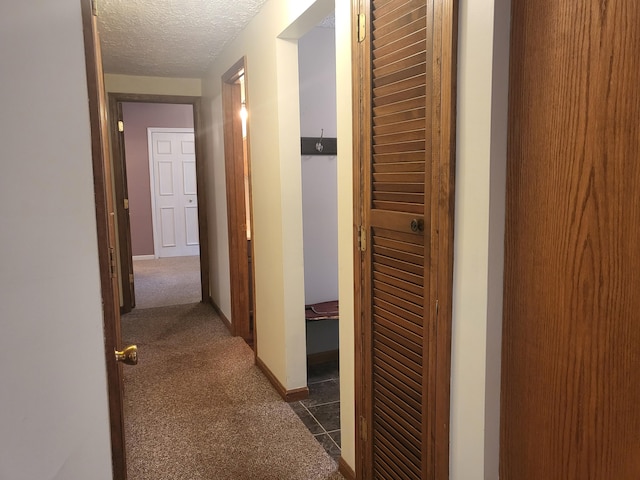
[54, 414]
[479, 238]
[317, 74]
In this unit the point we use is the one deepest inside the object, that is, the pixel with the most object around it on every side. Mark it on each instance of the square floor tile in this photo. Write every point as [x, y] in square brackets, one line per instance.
[329, 445]
[328, 415]
[323, 392]
[311, 423]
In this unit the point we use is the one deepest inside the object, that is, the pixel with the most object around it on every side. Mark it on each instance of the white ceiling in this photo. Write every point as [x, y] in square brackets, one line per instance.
[169, 38]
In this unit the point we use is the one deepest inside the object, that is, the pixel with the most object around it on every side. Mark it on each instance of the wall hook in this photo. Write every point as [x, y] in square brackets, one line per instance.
[319, 146]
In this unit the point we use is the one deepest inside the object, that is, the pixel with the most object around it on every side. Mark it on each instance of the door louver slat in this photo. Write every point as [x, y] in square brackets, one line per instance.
[398, 449]
[397, 396]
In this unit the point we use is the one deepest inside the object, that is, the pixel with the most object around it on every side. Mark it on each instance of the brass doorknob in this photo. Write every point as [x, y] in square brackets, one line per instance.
[129, 355]
[416, 225]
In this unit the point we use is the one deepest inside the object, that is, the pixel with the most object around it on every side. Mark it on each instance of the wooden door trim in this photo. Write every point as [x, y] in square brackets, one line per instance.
[122, 214]
[114, 369]
[117, 140]
[236, 212]
[443, 136]
[443, 210]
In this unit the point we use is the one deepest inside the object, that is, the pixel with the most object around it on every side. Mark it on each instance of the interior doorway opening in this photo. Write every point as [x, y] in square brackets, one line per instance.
[238, 187]
[145, 225]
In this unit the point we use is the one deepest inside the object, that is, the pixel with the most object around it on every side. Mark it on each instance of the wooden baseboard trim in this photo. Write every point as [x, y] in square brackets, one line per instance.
[294, 395]
[346, 471]
[323, 357]
[222, 316]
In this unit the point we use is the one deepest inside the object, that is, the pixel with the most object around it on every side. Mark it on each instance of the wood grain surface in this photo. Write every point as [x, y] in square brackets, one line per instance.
[571, 341]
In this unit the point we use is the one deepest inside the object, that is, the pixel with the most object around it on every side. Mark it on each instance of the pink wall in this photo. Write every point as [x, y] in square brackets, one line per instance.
[137, 118]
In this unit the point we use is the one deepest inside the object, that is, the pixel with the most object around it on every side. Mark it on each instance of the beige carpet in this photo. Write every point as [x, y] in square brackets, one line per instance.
[167, 281]
[197, 408]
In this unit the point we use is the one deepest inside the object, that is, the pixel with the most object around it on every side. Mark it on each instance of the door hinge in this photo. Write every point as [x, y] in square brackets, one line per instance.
[112, 262]
[120, 126]
[437, 307]
[94, 8]
[362, 27]
[363, 429]
[131, 278]
[126, 203]
[362, 239]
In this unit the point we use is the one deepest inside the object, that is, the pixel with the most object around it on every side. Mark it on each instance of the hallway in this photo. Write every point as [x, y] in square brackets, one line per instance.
[197, 407]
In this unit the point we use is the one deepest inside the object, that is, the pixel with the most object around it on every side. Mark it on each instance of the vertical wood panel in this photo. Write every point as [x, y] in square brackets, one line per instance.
[571, 357]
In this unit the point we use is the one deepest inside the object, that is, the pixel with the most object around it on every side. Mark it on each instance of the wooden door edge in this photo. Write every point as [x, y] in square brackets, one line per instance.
[238, 252]
[120, 188]
[114, 378]
[362, 399]
[446, 29]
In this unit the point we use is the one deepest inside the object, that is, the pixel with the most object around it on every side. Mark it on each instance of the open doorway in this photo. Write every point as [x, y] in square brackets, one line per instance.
[318, 130]
[238, 188]
[162, 255]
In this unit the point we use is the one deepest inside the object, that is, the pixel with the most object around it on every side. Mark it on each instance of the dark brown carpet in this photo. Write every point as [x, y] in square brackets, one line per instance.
[196, 407]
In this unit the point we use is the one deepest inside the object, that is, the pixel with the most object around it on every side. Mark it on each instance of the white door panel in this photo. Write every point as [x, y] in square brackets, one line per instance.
[168, 227]
[191, 223]
[189, 178]
[174, 193]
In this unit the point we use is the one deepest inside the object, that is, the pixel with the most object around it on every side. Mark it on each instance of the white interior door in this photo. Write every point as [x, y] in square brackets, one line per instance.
[172, 164]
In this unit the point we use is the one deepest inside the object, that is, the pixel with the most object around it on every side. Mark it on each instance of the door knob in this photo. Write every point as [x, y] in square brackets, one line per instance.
[129, 355]
[417, 225]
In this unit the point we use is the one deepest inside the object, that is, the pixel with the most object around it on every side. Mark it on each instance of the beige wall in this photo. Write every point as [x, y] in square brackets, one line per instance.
[345, 229]
[54, 416]
[152, 85]
[479, 238]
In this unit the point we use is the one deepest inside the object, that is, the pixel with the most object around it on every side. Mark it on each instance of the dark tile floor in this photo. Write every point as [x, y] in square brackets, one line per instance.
[321, 411]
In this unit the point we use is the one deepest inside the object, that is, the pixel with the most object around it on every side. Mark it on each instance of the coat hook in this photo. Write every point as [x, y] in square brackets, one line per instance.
[319, 146]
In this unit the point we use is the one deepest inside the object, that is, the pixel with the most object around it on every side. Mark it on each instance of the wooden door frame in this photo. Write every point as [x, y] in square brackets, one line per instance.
[97, 114]
[443, 115]
[120, 179]
[236, 212]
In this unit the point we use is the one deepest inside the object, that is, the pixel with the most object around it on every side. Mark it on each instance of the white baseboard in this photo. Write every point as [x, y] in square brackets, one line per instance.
[144, 257]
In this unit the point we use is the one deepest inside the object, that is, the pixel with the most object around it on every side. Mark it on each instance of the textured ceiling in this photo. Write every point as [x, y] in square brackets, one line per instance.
[169, 38]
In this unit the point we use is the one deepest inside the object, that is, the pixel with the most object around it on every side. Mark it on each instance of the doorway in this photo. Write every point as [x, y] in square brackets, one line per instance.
[318, 130]
[237, 155]
[132, 180]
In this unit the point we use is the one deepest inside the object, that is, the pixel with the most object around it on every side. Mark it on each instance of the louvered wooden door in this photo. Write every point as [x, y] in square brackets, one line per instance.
[403, 167]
